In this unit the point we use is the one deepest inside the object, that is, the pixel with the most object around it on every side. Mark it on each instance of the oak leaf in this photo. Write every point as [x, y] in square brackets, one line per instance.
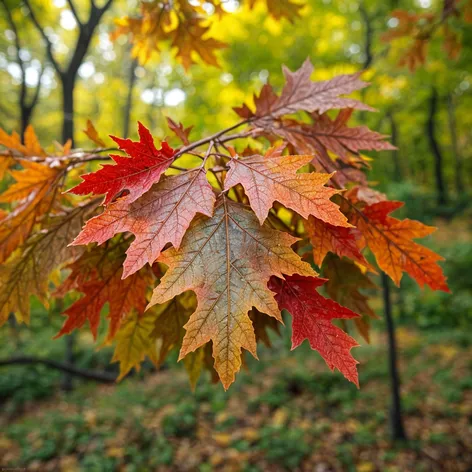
[92, 134]
[169, 332]
[344, 285]
[33, 193]
[159, 217]
[179, 130]
[312, 319]
[134, 341]
[279, 9]
[191, 36]
[338, 138]
[266, 180]
[300, 93]
[336, 239]
[391, 241]
[26, 273]
[31, 146]
[105, 285]
[227, 261]
[135, 173]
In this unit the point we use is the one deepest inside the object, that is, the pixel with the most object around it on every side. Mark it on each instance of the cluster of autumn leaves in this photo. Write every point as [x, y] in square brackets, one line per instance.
[225, 244]
[420, 28]
[186, 27]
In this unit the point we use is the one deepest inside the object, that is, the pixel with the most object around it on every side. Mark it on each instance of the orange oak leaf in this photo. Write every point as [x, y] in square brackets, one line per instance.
[266, 180]
[31, 146]
[328, 238]
[191, 36]
[136, 173]
[103, 284]
[227, 261]
[160, 216]
[92, 134]
[312, 319]
[34, 192]
[391, 241]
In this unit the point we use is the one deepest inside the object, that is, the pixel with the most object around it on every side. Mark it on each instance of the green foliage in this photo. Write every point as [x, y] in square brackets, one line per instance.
[181, 422]
[284, 446]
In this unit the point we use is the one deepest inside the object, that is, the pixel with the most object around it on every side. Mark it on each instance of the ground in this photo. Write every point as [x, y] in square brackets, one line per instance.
[287, 412]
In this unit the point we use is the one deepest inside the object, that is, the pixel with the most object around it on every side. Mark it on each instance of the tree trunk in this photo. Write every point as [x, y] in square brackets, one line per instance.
[68, 82]
[25, 120]
[129, 98]
[459, 181]
[438, 158]
[396, 419]
[397, 170]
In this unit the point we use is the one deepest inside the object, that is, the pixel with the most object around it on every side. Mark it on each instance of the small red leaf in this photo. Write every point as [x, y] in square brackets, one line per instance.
[136, 173]
[312, 319]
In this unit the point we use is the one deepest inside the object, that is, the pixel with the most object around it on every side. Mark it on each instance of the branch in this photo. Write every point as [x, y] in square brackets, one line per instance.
[368, 36]
[74, 11]
[37, 90]
[45, 38]
[17, 38]
[216, 137]
[62, 366]
[86, 31]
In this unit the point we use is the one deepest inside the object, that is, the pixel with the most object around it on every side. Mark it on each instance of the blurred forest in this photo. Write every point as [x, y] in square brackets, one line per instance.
[290, 413]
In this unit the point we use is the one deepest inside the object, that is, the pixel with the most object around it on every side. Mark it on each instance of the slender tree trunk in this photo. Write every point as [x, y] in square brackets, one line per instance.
[397, 170]
[68, 83]
[459, 181]
[438, 157]
[129, 97]
[25, 119]
[396, 419]
[68, 379]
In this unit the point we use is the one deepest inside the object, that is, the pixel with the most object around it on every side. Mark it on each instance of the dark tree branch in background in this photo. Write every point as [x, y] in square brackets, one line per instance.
[368, 34]
[433, 142]
[129, 97]
[459, 180]
[62, 366]
[398, 174]
[26, 109]
[74, 11]
[396, 420]
[68, 75]
[45, 37]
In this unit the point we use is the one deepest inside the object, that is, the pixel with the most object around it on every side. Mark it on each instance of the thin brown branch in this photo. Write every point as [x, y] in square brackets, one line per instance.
[62, 366]
[74, 11]
[45, 37]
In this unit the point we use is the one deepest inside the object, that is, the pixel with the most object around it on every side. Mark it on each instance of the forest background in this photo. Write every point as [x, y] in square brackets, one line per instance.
[294, 414]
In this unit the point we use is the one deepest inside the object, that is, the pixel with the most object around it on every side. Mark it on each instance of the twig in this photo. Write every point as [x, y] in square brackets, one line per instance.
[62, 366]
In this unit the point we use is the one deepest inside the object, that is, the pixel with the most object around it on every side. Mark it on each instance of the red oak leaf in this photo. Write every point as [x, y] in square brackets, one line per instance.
[136, 173]
[159, 217]
[312, 319]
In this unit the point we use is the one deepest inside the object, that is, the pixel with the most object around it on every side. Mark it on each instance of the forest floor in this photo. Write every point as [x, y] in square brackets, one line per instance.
[287, 412]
